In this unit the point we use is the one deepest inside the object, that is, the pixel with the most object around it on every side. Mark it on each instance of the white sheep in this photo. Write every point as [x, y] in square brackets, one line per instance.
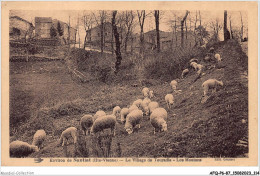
[123, 114]
[21, 149]
[173, 85]
[151, 95]
[217, 57]
[152, 106]
[133, 119]
[184, 73]
[138, 103]
[207, 58]
[104, 122]
[145, 92]
[70, 132]
[169, 100]
[211, 84]
[132, 107]
[38, 138]
[86, 123]
[98, 114]
[158, 119]
[145, 103]
[193, 65]
[116, 111]
[194, 60]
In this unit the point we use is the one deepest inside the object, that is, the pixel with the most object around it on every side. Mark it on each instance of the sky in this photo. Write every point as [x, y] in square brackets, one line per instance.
[165, 18]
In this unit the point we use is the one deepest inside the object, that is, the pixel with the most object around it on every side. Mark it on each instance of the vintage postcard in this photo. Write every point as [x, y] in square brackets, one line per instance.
[129, 83]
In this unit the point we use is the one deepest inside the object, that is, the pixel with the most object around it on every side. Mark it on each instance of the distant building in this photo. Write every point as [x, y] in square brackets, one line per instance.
[43, 27]
[20, 28]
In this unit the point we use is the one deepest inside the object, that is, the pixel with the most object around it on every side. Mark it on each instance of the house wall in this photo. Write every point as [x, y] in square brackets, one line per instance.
[42, 29]
[24, 27]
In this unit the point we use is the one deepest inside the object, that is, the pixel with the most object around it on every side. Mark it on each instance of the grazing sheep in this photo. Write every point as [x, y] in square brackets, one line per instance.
[194, 60]
[66, 134]
[104, 122]
[173, 84]
[193, 65]
[86, 123]
[152, 106]
[38, 138]
[211, 84]
[169, 100]
[138, 102]
[211, 50]
[133, 119]
[116, 111]
[123, 114]
[98, 114]
[184, 73]
[20, 149]
[132, 107]
[151, 95]
[158, 119]
[217, 57]
[145, 103]
[145, 92]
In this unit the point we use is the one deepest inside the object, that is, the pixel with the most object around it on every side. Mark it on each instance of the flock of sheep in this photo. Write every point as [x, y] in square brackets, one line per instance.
[130, 116]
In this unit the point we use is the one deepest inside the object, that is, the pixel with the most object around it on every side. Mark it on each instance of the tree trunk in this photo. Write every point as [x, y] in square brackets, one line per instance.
[112, 43]
[225, 26]
[85, 40]
[195, 26]
[141, 23]
[231, 32]
[156, 15]
[242, 28]
[116, 34]
[182, 32]
[102, 34]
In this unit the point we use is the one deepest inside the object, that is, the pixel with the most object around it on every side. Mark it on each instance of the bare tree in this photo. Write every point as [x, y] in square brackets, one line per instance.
[242, 28]
[226, 33]
[157, 15]
[230, 27]
[182, 24]
[88, 22]
[141, 17]
[117, 41]
[129, 18]
[100, 22]
[216, 27]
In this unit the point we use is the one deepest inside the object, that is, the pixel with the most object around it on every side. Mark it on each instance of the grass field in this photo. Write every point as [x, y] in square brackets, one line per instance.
[44, 95]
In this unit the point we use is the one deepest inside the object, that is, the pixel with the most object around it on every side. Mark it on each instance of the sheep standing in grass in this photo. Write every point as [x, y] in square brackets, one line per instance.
[194, 60]
[158, 119]
[132, 107]
[38, 138]
[70, 132]
[184, 73]
[104, 122]
[123, 114]
[138, 103]
[21, 149]
[169, 100]
[173, 85]
[193, 65]
[132, 119]
[152, 106]
[145, 92]
[217, 57]
[98, 114]
[144, 105]
[86, 123]
[151, 95]
[211, 84]
[116, 111]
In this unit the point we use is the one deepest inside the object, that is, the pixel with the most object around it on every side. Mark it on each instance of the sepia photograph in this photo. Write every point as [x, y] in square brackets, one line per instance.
[159, 86]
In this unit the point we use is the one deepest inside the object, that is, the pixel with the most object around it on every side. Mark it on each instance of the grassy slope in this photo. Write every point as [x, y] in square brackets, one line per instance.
[197, 130]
